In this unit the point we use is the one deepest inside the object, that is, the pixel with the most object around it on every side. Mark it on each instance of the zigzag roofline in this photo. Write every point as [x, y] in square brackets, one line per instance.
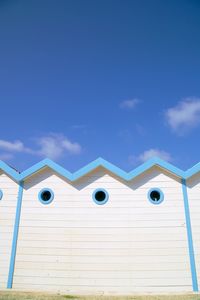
[99, 162]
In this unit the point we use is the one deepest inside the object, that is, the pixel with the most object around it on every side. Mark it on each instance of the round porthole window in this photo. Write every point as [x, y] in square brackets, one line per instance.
[46, 196]
[100, 196]
[155, 196]
[1, 194]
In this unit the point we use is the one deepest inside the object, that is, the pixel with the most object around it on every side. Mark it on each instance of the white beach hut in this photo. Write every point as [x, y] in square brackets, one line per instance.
[102, 230]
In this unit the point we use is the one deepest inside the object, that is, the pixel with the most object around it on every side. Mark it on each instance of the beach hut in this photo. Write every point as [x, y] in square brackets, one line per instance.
[101, 230]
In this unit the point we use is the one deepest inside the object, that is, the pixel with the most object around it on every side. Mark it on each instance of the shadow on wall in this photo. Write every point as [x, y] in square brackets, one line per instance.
[99, 173]
[194, 180]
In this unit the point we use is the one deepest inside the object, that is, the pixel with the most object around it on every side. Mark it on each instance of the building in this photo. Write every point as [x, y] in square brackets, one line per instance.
[100, 230]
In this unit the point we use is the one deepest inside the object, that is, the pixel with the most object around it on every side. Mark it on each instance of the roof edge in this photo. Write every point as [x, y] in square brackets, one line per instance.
[9, 171]
[99, 162]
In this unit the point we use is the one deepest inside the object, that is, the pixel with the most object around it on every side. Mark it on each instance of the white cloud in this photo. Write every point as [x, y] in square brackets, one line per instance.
[154, 152]
[16, 146]
[52, 146]
[129, 104]
[73, 148]
[49, 147]
[56, 145]
[150, 154]
[184, 116]
[6, 156]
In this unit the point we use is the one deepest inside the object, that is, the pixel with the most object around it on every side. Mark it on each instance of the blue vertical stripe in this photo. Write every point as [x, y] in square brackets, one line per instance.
[15, 236]
[189, 236]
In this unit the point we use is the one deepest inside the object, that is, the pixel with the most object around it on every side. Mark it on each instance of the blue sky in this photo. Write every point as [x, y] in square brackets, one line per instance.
[118, 79]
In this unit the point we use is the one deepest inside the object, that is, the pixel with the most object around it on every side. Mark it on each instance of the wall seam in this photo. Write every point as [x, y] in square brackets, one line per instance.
[15, 236]
[189, 237]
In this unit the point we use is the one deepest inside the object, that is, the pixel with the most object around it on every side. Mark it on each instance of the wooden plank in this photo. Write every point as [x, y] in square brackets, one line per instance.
[102, 244]
[98, 223]
[104, 290]
[101, 274]
[102, 259]
[107, 210]
[101, 217]
[103, 237]
[102, 281]
[107, 266]
[102, 252]
[179, 231]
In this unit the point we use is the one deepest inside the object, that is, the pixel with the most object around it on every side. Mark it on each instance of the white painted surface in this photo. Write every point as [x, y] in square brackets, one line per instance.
[7, 218]
[194, 203]
[127, 245]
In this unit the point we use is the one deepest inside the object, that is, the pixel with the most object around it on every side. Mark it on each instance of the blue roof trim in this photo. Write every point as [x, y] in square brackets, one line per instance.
[156, 162]
[9, 171]
[100, 162]
[46, 163]
[192, 171]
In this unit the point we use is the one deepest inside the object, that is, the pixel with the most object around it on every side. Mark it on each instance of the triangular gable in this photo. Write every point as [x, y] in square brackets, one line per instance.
[100, 162]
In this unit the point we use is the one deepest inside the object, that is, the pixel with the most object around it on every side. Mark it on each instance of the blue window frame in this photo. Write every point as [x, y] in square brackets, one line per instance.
[100, 196]
[1, 194]
[46, 196]
[155, 196]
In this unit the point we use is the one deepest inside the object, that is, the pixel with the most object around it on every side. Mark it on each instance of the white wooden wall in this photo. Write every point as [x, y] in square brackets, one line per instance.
[194, 203]
[126, 246]
[8, 205]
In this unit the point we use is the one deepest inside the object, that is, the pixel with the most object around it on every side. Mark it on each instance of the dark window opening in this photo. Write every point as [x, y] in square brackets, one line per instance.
[46, 195]
[155, 196]
[100, 196]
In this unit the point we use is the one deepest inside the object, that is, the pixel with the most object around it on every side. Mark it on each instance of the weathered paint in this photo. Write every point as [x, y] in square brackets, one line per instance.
[127, 244]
